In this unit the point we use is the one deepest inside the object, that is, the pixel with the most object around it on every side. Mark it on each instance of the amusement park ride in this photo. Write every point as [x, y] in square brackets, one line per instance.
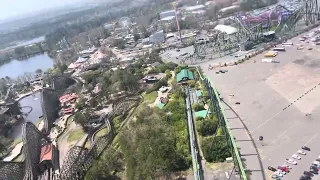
[258, 27]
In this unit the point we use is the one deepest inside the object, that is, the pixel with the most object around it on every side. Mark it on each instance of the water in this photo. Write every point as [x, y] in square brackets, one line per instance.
[16, 68]
[33, 116]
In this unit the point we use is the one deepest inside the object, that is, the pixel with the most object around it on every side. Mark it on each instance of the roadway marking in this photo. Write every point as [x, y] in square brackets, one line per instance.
[311, 139]
[284, 132]
[266, 121]
[268, 173]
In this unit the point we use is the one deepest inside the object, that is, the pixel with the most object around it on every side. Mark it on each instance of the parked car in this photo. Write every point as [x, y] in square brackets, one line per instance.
[287, 166]
[305, 178]
[290, 161]
[284, 169]
[272, 169]
[307, 173]
[305, 148]
[278, 173]
[302, 152]
[296, 157]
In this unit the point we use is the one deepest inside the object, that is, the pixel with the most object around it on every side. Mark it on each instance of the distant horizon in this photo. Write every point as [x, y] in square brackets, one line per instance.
[32, 7]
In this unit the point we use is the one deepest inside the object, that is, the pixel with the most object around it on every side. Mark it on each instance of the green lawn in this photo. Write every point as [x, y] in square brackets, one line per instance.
[76, 135]
[151, 97]
[101, 133]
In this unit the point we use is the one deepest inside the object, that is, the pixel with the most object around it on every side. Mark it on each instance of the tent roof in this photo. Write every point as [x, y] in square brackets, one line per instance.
[226, 29]
[184, 73]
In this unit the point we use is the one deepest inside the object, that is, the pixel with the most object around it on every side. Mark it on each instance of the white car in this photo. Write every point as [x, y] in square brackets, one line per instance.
[296, 157]
[278, 173]
[302, 152]
[290, 161]
[316, 163]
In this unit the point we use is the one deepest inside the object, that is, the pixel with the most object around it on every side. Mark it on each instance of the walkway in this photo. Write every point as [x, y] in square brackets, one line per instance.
[248, 149]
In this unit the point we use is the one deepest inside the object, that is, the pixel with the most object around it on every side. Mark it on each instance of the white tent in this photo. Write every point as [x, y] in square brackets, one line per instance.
[226, 29]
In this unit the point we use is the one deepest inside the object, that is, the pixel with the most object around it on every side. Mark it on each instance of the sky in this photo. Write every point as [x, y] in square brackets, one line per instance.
[14, 8]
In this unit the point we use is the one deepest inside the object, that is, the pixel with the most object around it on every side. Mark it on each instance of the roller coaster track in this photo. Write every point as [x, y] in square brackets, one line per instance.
[80, 159]
[286, 23]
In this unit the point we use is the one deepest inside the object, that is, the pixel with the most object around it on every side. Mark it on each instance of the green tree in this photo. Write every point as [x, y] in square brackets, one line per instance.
[207, 127]
[63, 68]
[82, 117]
[136, 37]
[198, 107]
[38, 71]
[215, 149]
[94, 103]
[149, 147]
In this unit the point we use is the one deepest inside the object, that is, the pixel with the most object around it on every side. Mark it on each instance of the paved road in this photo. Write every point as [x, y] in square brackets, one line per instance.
[275, 99]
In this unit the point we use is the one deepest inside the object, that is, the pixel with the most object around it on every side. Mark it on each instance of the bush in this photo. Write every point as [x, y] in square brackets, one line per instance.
[157, 85]
[192, 83]
[199, 118]
[207, 127]
[198, 107]
[215, 150]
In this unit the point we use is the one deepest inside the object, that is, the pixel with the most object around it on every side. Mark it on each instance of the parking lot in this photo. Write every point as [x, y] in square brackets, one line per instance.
[279, 101]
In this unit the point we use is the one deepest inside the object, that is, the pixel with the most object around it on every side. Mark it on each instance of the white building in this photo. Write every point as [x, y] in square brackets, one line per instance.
[157, 37]
[167, 15]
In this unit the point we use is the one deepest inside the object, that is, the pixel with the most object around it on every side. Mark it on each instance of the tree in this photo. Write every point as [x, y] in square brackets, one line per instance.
[215, 149]
[198, 107]
[20, 50]
[207, 127]
[168, 74]
[63, 68]
[94, 103]
[38, 71]
[136, 37]
[149, 147]
[81, 103]
[82, 117]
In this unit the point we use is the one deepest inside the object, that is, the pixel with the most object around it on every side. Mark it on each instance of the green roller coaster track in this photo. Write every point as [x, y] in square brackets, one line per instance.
[233, 143]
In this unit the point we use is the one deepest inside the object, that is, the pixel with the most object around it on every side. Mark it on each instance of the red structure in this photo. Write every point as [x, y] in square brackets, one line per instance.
[47, 157]
[68, 98]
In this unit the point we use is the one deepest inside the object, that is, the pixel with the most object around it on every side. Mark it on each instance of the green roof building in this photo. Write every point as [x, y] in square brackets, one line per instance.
[184, 75]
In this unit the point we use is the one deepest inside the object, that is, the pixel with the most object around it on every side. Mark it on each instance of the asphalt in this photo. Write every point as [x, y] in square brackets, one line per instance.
[279, 101]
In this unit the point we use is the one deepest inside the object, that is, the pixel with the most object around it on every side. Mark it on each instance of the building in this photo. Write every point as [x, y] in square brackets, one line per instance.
[229, 30]
[184, 75]
[195, 8]
[167, 15]
[157, 37]
[152, 78]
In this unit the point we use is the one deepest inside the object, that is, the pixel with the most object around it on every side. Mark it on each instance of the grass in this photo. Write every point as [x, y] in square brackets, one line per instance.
[19, 158]
[101, 133]
[151, 97]
[76, 135]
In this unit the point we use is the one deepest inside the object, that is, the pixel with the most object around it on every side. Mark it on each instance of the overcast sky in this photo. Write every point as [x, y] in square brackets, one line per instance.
[14, 8]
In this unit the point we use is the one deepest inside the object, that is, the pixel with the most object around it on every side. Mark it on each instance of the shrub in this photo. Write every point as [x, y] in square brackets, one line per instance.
[207, 127]
[198, 107]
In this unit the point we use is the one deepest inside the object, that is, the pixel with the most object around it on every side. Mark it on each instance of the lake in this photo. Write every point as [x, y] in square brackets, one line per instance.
[16, 68]
[29, 101]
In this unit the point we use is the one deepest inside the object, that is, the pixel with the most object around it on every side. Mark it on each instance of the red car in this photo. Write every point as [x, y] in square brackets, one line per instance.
[284, 169]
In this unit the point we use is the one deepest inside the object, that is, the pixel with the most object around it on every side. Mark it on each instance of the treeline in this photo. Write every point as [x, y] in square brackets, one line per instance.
[22, 52]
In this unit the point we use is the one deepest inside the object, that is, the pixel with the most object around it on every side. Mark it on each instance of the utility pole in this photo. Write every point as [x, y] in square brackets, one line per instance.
[177, 21]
